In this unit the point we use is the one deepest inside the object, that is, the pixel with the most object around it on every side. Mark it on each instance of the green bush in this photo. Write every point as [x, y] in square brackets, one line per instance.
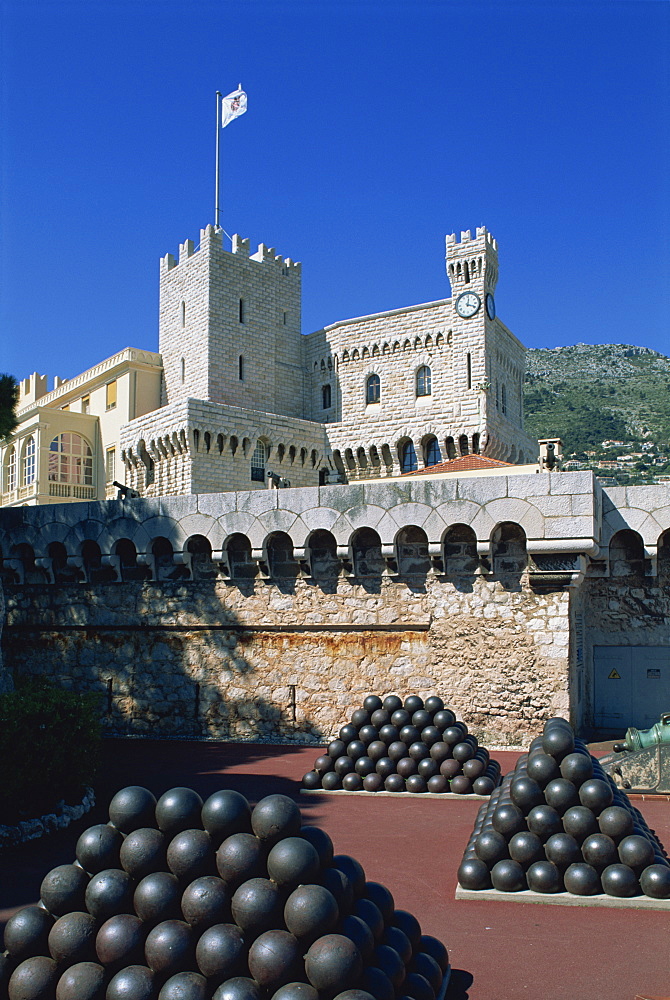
[49, 748]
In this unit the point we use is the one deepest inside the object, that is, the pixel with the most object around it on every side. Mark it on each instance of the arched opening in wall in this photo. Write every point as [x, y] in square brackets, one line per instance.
[372, 389]
[291, 454]
[207, 437]
[451, 449]
[431, 450]
[246, 445]
[439, 340]
[303, 456]
[220, 440]
[367, 553]
[522, 458]
[463, 445]
[26, 556]
[281, 451]
[417, 344]
[361, 458]
[508, 545]
[323, 560]
[460, 551]
[475, 444]
[57, 553]
[326, 397]
[314, 457]
[349, 459]
[234, 445]
[466, 272]
[281, 562]
[365, 353]
[512, 454]
[407, 346]
[424, 381]
[127, 553]
[663, 558]
[387, 457]
[337, 459]
[92, 560]
[428, 342]
[196, 440]
[407, 456]
[355, 356]
[345, 356]
[396, 346]
[375, 460]
[202, 567]
[162, 551]
[412, 552]
[375, 351]
[385, 348]
[323, 476]
[238, 554]
[258, 462]
[626, 552]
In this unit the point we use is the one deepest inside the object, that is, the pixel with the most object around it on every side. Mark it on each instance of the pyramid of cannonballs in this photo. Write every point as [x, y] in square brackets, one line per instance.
[397, 746]
[180, 900]
[558, 823]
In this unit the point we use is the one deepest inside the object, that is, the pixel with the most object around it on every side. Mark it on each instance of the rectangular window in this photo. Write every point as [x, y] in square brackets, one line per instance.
[110, 395]
[469, 371]
[85, 404]
[66, 407]
[110, 465]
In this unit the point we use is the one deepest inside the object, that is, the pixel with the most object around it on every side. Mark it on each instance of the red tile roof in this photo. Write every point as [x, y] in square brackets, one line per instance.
[467, 463]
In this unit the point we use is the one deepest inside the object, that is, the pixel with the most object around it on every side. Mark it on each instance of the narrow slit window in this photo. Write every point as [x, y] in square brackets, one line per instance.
[240, 368]
[243, 311]
[326, 397]
[469, 370]
[372, 389]
[183, 369]
[183, 315]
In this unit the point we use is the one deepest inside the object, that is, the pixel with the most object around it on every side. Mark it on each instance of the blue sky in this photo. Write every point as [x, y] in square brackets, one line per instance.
[374, 128]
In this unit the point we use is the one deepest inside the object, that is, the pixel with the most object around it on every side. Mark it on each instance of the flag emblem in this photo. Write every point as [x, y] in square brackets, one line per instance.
[232, 106]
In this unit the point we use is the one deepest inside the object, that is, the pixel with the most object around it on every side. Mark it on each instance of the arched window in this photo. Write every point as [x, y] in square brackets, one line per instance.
[423, 381]
[10, 473]
[70, 460]
[372, 389]
[408, 461]
[325, 397]
[258, 463]
[432, 450]
[28, 469]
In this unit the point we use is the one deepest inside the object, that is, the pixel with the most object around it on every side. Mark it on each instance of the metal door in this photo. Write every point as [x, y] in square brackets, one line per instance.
[631, 685]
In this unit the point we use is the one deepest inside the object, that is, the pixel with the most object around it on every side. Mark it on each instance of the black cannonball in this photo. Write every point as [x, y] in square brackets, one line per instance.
[346, 995]
[72, 938]
[416, 783]
[136, 982]
[394, 783]
[388, 734]
[636, 852]
[341, 886]
[418, 751]
[429, 968]
[185, 986]
[561, 794]
[333, 963]
[343, 765]
[490, 847]
[444, 718]
[34, 979]
[358, 931]
[320, 841]
[473, 873]
[508, 876]
[413, 703]
[178, 809]
[389, 961]
[157, 897]
[293, 861]
[83, 981]
[120, 941]
[474, 767]
[367, 735]
[322, 765]
[348, 733]
[274, 817]
[430, 735]
[427, 768]
[98, 848]
[542, 768]
[483, 785]
[292, 991]
[410, 734]
[599, 851]
[274, 959]
[63, 888]
[397, 939]
[434, 704]
[377, 750]
[452, 735]
[544, 876]
[143, 851]
[655, 881]
[508, 819]
[385, 766]
[331, 782]
[460, 784]
[373, 782]
[352, 782]
[421, 718]
[353, 870]
[109, 892]
[133, 808]
[579, 822]
[240, 857]
[242, 988]
[440, 751]
[558, 742]
[360, 717]
[582, 879]
[364, 766]
[563, 850]
[462, 752]
[616, 822]
[526, 793]
[169, 947]
[417, 987]
[372, 703]
[536, 745]
[380, 718]
[311, 780]
[205, 902]
[544, 821]
[429, 945]
[27, 932]
[337, 748]
[370, 914]
[220, 952]
[257, 906]
[577, 768]
[376, 983]
[190, 854]
[226, 812]
[381, 897]
[406, 766]
[356, 749]
[619, 880]
[310, 911]
[596, 795]
[401, 718]
[409, 925]
[396, 750]
[526, 847]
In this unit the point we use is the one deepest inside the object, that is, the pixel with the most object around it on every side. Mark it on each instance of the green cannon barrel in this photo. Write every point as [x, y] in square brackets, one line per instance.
[638, 739]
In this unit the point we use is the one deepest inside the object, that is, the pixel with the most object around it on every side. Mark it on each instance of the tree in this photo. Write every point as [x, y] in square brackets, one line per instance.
[9, 398]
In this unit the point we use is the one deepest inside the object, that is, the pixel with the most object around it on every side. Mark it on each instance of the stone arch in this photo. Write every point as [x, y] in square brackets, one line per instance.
[237, 550]
[279, 556]
[411, 546]
[508, 549]
[626, 553]
[200, 550]
[450, 448]
[323, 560]
[366, 550]
[459, 547]
[463, 444]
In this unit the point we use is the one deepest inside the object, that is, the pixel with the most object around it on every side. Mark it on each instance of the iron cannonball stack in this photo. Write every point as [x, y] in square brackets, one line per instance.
[559, 824]
[410, 746]
[177, 899]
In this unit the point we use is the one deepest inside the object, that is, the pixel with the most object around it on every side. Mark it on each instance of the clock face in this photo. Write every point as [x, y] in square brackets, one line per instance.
[467, 304]
[490, 306]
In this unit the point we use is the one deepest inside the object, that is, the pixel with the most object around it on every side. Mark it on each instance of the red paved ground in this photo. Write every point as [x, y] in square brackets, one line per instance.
[499, 951]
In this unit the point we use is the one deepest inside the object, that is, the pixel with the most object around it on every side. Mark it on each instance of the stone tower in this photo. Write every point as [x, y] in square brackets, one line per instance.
[230, 326]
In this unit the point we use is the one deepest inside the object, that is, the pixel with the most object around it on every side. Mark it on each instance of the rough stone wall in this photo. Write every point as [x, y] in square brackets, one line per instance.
[264, 661]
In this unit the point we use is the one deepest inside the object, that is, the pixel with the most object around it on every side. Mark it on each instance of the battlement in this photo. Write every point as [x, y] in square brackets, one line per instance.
[466, 237]
[211, 238]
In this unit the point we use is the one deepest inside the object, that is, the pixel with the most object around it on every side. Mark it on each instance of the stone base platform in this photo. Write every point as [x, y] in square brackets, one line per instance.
[564, 899]
[424, 796]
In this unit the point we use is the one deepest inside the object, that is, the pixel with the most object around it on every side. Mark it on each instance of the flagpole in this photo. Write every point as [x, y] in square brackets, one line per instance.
[218, 155]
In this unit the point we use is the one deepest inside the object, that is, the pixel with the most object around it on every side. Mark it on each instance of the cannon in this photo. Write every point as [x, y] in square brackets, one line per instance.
[642, 762]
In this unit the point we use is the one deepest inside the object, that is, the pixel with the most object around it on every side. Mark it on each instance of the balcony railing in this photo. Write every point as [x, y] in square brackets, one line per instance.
[72, 490]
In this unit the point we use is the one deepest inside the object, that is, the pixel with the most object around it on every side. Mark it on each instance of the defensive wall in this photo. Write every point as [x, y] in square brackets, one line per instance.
[271, 614]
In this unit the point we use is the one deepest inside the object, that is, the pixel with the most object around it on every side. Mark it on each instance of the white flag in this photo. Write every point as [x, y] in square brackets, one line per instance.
[233, 106]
